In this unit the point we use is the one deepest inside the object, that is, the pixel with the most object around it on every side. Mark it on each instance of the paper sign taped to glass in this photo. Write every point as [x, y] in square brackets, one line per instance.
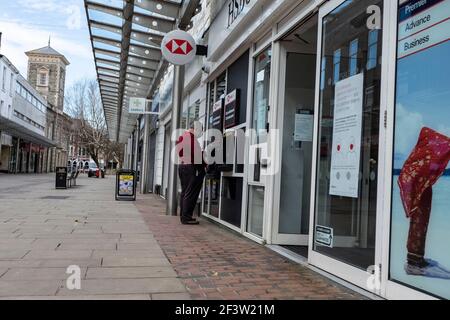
[347, 126]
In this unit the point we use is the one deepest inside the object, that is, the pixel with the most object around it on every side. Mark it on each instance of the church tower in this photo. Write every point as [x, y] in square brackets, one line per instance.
[47, 73]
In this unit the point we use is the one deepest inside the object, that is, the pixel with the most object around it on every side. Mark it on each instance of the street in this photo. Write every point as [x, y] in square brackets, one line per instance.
[129, 250]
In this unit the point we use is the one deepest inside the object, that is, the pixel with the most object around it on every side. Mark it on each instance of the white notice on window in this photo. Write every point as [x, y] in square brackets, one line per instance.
[346, 154]
[304, 127]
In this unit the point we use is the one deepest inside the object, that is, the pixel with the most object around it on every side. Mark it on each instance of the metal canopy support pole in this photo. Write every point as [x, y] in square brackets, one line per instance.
[145, 155]
[136, 147]
[176, 121]
[29, 159]
[16, 169]
[124, 165]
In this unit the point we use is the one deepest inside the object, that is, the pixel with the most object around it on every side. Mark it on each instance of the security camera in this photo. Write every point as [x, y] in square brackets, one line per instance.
[206, 68]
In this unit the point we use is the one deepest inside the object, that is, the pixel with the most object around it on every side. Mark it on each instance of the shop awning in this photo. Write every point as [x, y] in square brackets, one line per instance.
[126, 38]
[16, 130]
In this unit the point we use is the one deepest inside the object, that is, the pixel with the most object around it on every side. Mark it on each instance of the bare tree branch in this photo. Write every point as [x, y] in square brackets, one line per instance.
[90, 130]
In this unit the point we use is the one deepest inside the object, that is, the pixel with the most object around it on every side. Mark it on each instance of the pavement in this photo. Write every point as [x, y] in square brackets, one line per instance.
[215, 263]
[44, 231]
[127, 250]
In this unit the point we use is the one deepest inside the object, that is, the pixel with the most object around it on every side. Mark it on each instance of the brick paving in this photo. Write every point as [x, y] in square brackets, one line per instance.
[214, 263]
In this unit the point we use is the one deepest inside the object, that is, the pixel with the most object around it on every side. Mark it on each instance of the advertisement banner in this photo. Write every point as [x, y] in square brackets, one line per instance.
[420, 237]
[126, 185]
[347, 126]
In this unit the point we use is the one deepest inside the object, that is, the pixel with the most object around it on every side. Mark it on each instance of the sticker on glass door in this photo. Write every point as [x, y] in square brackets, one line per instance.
[324, 236]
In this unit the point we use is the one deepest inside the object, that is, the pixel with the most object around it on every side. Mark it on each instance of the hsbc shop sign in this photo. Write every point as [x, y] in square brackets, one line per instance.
[235, 8]
[179, 47]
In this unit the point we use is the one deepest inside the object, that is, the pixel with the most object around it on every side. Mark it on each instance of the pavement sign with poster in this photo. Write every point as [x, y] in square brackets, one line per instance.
[126, 185]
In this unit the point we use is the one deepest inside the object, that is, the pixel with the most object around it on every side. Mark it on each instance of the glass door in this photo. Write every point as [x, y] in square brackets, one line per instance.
[347, 158]
[258, 142]
[298, 55]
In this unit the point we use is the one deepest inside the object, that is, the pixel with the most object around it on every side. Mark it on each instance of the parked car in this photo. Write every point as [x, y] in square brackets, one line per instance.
[94, 171]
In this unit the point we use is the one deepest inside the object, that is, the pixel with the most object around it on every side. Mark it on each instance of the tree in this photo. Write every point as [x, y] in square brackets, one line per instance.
[84, 104]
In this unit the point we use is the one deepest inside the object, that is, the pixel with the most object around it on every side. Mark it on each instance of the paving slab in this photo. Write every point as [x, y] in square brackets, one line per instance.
[20, 263]
[43, 273]
[91, 245]
[59, 254]
[12, 254]
[29, 288]
[64, 263]
[151, 252]
[134, 262]
[130, 273]
[126, 286]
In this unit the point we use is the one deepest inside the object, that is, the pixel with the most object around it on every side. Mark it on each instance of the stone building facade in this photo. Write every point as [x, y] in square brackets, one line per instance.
[47, 73]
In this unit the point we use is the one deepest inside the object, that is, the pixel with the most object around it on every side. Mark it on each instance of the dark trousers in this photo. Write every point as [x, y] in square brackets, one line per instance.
[191, 177]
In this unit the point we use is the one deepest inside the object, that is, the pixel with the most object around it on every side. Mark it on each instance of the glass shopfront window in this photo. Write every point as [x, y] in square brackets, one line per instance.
[420, 236]
[261, 94]
[211, 194]
[347, 177]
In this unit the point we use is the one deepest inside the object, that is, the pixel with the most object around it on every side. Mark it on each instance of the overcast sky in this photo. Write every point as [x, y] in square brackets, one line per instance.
[27, 25]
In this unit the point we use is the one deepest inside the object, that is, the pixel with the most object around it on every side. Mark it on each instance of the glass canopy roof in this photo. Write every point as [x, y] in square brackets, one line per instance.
[126, 38]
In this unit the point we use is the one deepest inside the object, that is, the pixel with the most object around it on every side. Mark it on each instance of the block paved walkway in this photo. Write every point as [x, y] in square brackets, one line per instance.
[43, 231]
[129, 250]
[215, 263]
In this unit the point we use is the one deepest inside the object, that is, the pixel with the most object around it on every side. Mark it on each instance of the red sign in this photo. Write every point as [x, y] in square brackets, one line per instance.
[178, 46]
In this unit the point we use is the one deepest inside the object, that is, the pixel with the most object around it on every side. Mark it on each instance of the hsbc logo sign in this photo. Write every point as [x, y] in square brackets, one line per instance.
[235, 8]
[179, 47]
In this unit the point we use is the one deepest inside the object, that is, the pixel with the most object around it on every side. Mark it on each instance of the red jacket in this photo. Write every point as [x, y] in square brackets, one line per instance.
[189, 150]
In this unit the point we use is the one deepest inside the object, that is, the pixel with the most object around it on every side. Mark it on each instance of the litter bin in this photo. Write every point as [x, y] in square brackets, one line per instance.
[126, 185]
[61, 178]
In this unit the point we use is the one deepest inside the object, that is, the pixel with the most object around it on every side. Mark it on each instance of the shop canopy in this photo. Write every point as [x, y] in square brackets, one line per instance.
[15, 129]
[126, 38]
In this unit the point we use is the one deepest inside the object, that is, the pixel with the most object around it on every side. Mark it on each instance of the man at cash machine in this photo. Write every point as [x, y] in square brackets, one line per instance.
[191, 171]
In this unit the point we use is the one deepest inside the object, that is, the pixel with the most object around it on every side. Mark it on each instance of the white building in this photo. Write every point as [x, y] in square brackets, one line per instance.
[8, 75]
[22, 123]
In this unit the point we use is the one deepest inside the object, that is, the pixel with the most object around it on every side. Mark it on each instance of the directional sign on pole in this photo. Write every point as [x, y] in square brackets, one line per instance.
[139, 106]
[179, 47]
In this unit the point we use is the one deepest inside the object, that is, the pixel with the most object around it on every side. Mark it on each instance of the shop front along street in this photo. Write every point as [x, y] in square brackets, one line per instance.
[225, 149]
